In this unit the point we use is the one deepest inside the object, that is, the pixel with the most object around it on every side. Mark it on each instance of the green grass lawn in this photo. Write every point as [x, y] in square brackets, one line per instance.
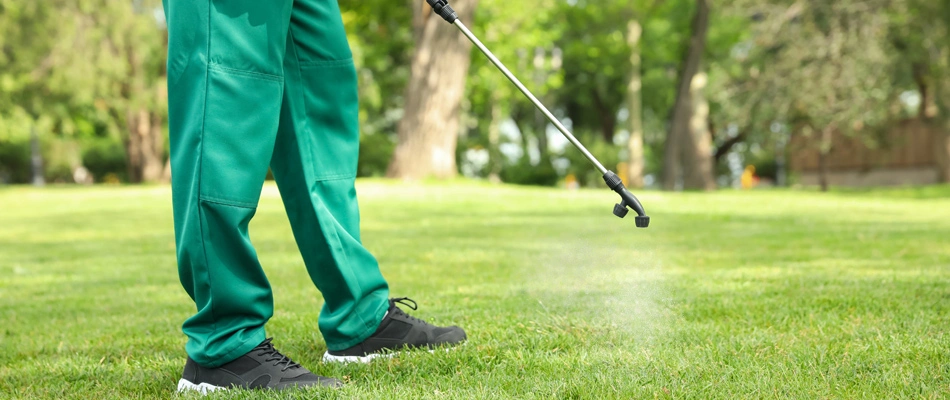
[772, 294]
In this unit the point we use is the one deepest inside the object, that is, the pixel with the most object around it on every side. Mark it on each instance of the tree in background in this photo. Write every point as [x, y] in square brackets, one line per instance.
[635, 161]
[380, 35]
[688, 144]
[625, 75]
[517, 33]
[603, 71]
[919, 33]
[97, 74]
[818, 68]
[428, 131]
[24, 98]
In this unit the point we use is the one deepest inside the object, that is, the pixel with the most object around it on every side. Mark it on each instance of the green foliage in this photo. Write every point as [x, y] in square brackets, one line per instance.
[15, 147]
[524, 173]
[380, 35]
[60, 155]
[375, 152]
[588, 86]
[15, 161]
[104, 157]
[76, 69]
[583, 170]
[814, 64]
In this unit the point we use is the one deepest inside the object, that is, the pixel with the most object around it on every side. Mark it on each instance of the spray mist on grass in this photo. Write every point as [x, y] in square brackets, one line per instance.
[617, 293]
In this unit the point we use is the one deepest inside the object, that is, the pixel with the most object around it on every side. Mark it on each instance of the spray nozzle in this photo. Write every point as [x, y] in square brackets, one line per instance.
[444, 10]
[627, 200]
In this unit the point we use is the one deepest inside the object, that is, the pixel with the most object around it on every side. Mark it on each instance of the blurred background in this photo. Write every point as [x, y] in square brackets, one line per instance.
[674, 94]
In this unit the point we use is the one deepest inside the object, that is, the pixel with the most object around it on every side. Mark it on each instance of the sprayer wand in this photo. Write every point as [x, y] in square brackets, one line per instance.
[444, 10]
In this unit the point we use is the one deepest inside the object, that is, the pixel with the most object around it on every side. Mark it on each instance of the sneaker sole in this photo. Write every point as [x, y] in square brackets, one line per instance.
[185, 385]
[330, 358]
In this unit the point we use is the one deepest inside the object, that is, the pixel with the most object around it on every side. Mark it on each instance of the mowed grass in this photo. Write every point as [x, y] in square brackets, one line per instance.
[773, 294]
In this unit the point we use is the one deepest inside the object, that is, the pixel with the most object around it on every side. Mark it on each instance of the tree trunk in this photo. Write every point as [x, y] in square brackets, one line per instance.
[824, 150]
[145, 144]
[635, 163]
[943, 156]
[145, 147]
[607, 116]
[167, 173]
[495, 160]
[36, 158]
[727, 146]
[540, 121]
[428, 131]
[928, 102]
[682, 108]
[541, 137]
[698, 157]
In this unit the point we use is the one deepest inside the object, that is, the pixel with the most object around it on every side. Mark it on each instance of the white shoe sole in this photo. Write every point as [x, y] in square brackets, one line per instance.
[185, 385]
[330, 358]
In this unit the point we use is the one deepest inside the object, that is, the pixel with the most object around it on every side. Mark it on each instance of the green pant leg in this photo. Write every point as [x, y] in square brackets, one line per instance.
[315, 166]
[225, 81]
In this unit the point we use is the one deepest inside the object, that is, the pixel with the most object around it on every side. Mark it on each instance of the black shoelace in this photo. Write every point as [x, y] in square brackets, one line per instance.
[406, 302]
[267, 349]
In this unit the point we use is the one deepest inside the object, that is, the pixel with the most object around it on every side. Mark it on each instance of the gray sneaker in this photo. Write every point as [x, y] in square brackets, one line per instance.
[262, 368]
[398, 331]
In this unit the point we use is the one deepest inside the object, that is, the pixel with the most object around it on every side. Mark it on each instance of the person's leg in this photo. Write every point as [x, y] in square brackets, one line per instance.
[225, 81]
[314, 164]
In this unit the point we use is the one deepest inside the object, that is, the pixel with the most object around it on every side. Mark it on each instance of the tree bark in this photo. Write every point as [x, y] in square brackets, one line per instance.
[428, 131]
[145, 144]
[698, 157]
[607, 116]
[635, 163]
[682, 108]
[167, 173]
[495, 160]
[824, 150]
[36, 159]
[943, 155]
[726, 146]
[928, 102]
[145, 147]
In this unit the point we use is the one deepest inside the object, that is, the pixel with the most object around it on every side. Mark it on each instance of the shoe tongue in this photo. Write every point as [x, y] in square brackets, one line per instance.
[396, 311]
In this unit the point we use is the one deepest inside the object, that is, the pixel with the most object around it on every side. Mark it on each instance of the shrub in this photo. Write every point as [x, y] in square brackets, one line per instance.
[523, 173]
[375, 152]
[15, 160]
[104, 157]
[586, 173]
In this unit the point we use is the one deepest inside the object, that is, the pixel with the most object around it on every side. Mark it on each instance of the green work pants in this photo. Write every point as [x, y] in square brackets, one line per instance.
[252, 84]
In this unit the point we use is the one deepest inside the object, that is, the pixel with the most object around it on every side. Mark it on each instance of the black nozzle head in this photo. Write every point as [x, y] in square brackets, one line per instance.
[627, 200]
[642, 221]
[620, 210]
[444, 10]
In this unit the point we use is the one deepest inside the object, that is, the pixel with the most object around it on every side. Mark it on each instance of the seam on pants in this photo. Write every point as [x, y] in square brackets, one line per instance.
[246, 74]
[301, 100]
[326, 63]
[201, 158]
[225, 202]
[338, 243]
[335, 177]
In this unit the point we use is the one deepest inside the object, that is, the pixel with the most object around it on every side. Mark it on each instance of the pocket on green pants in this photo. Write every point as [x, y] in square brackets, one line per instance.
[241, 118]
[332, 112]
